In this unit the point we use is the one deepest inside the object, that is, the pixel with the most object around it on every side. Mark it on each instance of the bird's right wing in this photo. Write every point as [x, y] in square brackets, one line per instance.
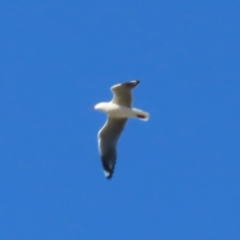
[107, 140]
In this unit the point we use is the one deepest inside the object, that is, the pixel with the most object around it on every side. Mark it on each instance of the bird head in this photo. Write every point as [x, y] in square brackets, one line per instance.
[100, 107]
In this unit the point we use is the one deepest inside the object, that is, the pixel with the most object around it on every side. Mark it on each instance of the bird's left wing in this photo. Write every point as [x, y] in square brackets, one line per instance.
[107, 140]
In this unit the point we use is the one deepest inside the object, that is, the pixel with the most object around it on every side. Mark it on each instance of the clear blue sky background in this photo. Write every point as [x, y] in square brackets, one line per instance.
[177, 176]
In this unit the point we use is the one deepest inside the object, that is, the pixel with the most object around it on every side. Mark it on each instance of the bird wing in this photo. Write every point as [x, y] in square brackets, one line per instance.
[107, 140]
[122, 93]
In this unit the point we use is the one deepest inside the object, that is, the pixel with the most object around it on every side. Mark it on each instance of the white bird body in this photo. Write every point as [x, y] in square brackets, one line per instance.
[116, 111]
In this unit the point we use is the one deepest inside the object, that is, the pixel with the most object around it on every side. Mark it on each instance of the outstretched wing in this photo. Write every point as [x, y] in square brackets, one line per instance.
[107, 140]
[122, 93]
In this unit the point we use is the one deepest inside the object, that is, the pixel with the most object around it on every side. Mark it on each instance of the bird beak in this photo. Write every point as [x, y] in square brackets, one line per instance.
[92, 108]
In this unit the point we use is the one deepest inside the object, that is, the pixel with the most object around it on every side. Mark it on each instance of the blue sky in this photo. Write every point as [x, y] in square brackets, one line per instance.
[177, 176]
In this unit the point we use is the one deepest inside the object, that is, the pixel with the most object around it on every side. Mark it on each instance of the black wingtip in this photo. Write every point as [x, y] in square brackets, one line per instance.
[137, 82]
[108, 174]
[108, 171]
[109, 177]
[132, 83]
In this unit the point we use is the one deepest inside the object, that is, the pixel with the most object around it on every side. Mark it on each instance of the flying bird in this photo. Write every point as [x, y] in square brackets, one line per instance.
[118, 111]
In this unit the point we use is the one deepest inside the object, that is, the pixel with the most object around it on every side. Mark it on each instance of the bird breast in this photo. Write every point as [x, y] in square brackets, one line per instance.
[118, 111]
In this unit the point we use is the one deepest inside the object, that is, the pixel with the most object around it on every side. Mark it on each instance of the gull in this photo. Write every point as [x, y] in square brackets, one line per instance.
[118, 111]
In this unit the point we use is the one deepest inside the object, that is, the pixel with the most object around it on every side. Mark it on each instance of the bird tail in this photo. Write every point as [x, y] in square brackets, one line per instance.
[144, 116]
